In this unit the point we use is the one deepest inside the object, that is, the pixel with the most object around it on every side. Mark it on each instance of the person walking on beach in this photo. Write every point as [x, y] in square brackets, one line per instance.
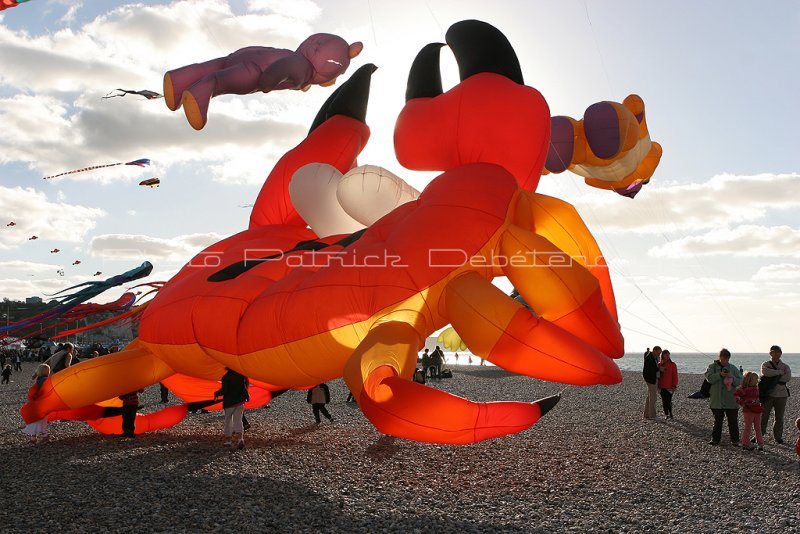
[38, 429]
[234, 395]
[17, 362]
[650, 374]
[130, 403]
[747, 397]
[6, 373]
[722, 404]
[777, 396]
[667, 382]
[164, 390]
[318, 397]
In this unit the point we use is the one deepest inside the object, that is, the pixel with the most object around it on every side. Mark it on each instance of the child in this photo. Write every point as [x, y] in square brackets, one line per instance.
[234, 395]
[130, 403]
[747, 397]
[797, 445]
[667, 381]
[6, 373]
[38, 429]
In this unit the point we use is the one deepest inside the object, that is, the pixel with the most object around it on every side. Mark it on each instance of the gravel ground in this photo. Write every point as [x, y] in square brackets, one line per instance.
[591, 465]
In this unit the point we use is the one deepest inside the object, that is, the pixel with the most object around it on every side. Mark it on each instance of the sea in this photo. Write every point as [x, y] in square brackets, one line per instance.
[688, 362]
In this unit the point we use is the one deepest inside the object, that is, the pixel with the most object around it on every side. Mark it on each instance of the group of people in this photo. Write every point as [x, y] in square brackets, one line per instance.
[729, 389]
[432, 363]
[660, 374]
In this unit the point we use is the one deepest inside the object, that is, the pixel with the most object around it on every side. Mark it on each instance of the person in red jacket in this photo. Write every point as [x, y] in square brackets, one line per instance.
[667, 381]
[797, 445]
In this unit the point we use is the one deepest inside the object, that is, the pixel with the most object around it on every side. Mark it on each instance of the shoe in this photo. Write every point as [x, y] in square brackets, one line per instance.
[779, 441]
[713, 442]
[752, 440]
[246, 427]
[240, 445]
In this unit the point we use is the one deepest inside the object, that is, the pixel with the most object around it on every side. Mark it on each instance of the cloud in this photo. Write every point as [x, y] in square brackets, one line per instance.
[745, 240]
[36, 215]
[69, 70]
[723, 200]
[779, 272]
[142, 247]
[28, 266]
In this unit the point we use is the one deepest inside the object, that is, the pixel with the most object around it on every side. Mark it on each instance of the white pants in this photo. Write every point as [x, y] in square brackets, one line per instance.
[233, 419]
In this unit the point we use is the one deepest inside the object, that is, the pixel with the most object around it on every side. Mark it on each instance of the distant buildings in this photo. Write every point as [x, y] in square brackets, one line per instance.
[33, 300]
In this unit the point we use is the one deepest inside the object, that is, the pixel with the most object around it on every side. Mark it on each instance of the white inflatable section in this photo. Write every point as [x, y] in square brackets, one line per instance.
[313, 190]
[369, 192]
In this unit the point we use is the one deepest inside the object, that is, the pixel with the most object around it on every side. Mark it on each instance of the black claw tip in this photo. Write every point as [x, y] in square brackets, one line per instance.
[480, 47]
[425, 78]
[546, 404]
[350, 99]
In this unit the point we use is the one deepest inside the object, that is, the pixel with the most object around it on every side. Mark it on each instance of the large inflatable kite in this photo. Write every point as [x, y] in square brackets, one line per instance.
[355, 295]
[319, 60]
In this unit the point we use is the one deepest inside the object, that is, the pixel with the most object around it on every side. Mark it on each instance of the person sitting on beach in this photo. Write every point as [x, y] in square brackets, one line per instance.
[667, 382]
[722, 404]
[650, 375]
[777, 396]
[747, 397]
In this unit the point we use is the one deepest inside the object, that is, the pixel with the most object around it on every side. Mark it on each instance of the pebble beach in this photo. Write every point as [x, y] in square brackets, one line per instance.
[592, 464]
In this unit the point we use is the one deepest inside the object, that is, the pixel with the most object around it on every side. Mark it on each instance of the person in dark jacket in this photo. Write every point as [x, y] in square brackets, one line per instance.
[318, 397]
[130, 403]
[650, 374]
[234, 394]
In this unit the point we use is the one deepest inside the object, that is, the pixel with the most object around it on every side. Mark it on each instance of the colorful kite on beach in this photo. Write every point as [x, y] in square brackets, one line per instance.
[355, 269]
[138, 162]
[317, 61]
[149, 95]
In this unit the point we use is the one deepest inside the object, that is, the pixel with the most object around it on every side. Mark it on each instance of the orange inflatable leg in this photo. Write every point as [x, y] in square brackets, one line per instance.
[501, 330]
[378, 375]
[560, 223]
[96, 380]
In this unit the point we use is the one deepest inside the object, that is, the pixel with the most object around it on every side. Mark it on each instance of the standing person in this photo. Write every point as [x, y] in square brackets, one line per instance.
[797, 445]
[62, 358]
[722, 404]
[777, 396]
[234, 394]
[318, 397]
[6, 373]
[437, 360]
[650, 374]
[164, 393]
[667, 382]
[130, 403]
[17, 362]
[38, 429]
[747, 397]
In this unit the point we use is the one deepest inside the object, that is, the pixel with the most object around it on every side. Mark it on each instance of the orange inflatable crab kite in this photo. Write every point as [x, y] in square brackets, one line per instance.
[291, 306]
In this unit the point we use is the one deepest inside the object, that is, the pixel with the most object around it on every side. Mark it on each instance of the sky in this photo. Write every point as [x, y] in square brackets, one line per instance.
[706, 256]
